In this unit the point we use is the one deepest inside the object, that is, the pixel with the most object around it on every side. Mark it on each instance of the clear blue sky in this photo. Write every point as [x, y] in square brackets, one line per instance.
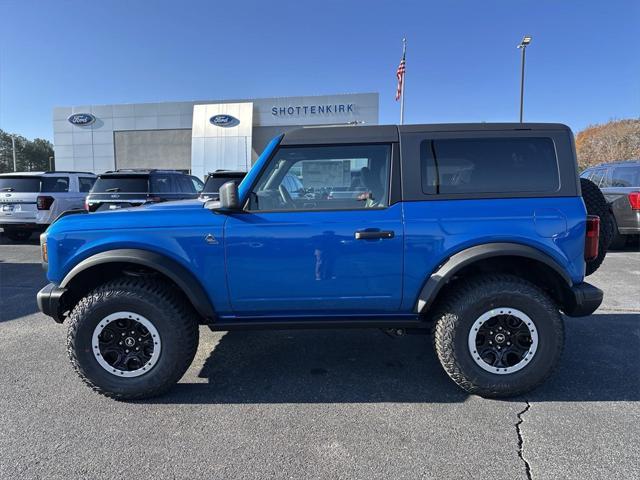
[583, 66]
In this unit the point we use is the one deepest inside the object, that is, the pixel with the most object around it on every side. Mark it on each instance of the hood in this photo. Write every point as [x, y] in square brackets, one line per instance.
[183, 213]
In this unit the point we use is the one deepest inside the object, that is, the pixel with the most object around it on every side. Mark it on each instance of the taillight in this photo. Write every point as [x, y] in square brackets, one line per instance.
[592, 237]
[634, 200]
[44, 203]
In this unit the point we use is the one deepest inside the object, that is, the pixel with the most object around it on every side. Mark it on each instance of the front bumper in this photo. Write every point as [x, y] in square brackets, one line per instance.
[583, 300]
[50, 302]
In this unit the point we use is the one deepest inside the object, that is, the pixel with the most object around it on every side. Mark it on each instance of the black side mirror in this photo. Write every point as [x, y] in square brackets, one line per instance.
[229, 196]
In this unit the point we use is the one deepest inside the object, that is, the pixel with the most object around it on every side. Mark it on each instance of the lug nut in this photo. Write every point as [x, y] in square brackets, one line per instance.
[127, 351]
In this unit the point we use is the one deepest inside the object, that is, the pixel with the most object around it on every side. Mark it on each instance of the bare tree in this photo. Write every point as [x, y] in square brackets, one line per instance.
[608, 142]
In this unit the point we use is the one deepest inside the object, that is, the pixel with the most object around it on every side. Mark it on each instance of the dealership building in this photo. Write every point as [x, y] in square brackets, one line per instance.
[197, 136]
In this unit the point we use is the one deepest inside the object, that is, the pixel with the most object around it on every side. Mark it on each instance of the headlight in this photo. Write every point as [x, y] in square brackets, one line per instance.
[43, 248]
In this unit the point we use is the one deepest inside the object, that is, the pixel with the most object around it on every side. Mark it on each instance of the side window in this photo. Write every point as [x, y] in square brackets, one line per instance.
[597, 176]
[55, 184]
[198, 185]
[625, 177]
[324, 178]
[160, 184]
[489, 165]
[185, 185]
[606, 178]
[85, 184]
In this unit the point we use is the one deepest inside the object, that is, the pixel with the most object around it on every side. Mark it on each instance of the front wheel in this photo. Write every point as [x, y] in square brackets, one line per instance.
[498, 335]
[132, 338]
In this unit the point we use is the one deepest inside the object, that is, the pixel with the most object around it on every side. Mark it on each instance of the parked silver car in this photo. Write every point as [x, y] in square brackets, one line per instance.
[620, 184]
[30, 201]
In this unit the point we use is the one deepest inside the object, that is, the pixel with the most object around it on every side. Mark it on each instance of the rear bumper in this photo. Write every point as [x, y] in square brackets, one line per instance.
[583, 300]
[50, 303]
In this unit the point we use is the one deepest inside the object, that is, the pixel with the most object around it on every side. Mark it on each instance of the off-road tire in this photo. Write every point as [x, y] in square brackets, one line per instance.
[597, 205]
[17, 235]
[172, 316]
[465, 303]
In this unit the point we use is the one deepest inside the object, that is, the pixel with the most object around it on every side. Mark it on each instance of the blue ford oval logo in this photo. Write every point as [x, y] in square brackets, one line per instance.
[81, 119]
[224, 120]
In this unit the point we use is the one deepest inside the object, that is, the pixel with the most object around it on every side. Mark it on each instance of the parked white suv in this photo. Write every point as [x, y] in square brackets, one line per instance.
[30, 201]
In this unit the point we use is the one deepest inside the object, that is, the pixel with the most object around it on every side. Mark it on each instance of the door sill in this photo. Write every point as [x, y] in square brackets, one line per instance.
[336, 322]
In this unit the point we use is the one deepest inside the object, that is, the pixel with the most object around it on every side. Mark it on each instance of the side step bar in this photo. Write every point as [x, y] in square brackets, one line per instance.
[279, 323]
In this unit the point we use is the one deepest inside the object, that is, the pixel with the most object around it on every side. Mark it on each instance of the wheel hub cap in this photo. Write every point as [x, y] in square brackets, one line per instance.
[503, 340]
[126, 344]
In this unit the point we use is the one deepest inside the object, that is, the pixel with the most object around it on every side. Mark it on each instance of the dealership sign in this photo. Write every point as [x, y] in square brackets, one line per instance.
[224, 120]
[298, 110]
[81, 119]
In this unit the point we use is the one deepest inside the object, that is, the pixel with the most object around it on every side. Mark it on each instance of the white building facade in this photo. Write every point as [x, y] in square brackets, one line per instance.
[197, 137]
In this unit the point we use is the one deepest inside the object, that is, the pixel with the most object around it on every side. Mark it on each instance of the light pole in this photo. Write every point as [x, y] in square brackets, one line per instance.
[526, 40]
[13, 148]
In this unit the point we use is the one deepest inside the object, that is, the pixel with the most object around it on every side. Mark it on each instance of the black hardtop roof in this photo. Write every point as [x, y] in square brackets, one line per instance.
[389, 133]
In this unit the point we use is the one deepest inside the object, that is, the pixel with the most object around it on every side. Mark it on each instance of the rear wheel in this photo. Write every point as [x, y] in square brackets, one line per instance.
[498, 335]
[17, 235]
[132, 338]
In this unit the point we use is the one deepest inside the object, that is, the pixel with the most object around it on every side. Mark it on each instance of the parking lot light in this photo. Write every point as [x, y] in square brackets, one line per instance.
[526, 40]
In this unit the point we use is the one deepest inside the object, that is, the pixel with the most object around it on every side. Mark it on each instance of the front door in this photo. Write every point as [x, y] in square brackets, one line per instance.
[318, 235]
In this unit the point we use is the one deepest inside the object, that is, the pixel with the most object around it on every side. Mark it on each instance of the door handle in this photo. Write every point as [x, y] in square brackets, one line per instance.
[374, 235]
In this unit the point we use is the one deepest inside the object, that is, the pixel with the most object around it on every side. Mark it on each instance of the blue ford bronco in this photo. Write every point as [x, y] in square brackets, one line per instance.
[475, 233]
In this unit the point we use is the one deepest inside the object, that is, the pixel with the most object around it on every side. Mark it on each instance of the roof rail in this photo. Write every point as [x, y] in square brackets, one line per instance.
[68, 171]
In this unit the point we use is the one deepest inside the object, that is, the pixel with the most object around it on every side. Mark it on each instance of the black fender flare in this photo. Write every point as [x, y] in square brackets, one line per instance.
[180, 275]
[445, 272]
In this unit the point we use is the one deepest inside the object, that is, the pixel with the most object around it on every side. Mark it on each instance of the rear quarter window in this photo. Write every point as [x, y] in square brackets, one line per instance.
[489, 165]
[85, 183]
[626, 176]
[55, 184]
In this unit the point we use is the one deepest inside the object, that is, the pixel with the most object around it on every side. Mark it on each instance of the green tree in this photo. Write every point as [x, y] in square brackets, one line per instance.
[31, 155]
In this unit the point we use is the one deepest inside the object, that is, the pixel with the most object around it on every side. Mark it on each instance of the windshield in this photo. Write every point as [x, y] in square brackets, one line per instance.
[20, 184]
[121, 184]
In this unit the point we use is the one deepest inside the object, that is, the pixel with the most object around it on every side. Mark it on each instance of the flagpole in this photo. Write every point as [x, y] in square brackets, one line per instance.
[404, 76]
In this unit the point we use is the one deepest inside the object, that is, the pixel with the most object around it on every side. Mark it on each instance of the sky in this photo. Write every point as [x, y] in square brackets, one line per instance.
[583, 65]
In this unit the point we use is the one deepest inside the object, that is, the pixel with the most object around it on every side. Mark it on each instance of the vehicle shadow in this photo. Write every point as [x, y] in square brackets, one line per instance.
[362, 366]
[34, 240]
[19, 284]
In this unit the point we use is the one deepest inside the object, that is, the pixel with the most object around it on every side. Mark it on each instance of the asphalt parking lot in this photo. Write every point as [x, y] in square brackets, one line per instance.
[320, 404]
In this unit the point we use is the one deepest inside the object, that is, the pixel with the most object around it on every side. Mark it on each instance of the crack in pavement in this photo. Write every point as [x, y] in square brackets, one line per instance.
[521, 440]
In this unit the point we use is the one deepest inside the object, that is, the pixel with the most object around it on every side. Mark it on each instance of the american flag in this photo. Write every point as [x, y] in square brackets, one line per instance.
[400, 75]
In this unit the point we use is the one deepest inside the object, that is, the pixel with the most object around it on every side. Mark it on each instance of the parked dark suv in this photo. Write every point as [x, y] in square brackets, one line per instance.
[620, 184]
[132, 188]
[216, 179]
